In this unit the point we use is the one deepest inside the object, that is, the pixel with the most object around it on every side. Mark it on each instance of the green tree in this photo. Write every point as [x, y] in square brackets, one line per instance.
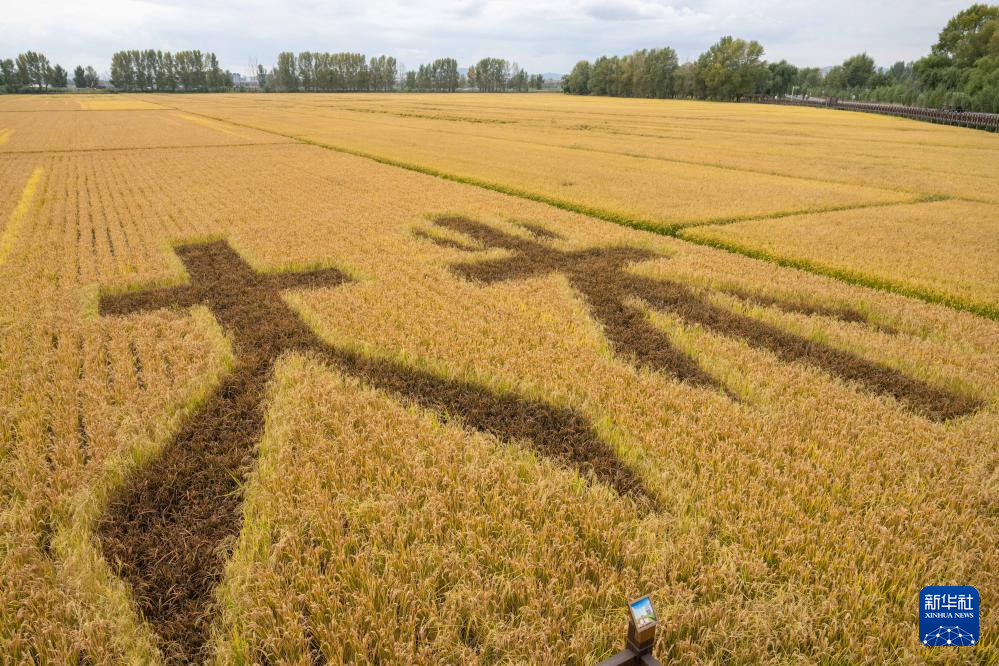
[32, 69]
[687, 82]
[835, 80]
[662, 65]
[122, 71]
[90, 77]
[577, 82]
[492, 74]
[783, 78]
[810, 79]
[604, 79]
[57, 77]
[8, 74]
[166, 72]
[732, 68]
[966, 37]
[285, 74]
[80, 77]
[517, 80]
[900, 71]
[858, 70]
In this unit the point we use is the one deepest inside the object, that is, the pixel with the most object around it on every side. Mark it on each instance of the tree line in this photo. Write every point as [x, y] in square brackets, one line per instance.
[439, 76]
[961, 71]
[729, 69]
[311, 71]
[151, 70]
[353, 72]
[196, 71]
[498, 75]
[31, 71]
[487, 75]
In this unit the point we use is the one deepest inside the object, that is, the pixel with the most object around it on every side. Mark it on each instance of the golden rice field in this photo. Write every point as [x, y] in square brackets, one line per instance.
[472, 371]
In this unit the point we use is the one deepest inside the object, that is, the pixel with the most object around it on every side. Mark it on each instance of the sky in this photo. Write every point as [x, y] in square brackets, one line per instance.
[540, 35]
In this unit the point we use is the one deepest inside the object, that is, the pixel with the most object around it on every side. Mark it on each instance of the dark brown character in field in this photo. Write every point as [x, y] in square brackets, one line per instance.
[602, 277]
[169, 527]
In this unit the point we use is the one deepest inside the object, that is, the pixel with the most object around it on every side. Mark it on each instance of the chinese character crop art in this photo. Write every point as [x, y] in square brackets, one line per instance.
[420, 377]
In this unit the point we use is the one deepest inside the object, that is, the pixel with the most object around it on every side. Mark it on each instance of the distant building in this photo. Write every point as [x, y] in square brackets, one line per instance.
[240, 81]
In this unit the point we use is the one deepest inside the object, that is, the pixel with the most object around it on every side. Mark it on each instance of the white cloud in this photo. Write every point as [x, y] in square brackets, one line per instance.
[543, 35]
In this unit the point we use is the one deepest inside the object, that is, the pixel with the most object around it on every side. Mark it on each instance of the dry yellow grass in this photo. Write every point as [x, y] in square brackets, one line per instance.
[798, 523]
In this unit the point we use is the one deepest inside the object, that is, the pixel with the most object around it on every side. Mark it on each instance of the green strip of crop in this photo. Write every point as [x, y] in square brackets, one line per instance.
[852, 277]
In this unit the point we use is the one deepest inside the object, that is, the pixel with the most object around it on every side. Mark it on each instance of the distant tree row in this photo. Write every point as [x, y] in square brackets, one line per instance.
[85, 77]
[439, 76]
[727, 70]
[962, 70]
[31, 71]
[314, 72]
[352, 72]
[196, 71]
[498, 75]
[149, 70]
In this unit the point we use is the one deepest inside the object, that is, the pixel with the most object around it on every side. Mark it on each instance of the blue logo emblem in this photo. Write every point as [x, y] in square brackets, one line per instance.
[948, 615]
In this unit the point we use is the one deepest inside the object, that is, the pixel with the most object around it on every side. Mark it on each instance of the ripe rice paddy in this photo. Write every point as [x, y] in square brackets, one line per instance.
[272, 391]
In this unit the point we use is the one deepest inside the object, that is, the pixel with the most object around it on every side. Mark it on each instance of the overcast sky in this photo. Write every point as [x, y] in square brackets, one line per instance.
[540, 35]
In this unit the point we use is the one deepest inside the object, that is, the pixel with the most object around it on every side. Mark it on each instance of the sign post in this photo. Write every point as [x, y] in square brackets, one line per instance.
[642, 623]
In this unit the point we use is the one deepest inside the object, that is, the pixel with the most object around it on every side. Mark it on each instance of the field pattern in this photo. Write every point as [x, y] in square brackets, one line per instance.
[262, 401]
